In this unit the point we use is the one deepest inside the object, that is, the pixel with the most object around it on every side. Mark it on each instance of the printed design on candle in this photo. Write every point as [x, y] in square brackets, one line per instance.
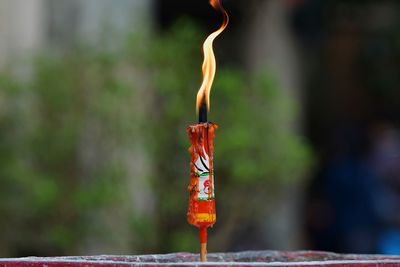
[202, 166]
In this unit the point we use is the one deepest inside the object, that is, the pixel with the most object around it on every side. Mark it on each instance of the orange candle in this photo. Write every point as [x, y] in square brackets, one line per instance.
[201, 210]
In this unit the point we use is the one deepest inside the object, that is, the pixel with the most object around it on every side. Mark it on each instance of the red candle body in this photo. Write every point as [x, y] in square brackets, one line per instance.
[201, 210]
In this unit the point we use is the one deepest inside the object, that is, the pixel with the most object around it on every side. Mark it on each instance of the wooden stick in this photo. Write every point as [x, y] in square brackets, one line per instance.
[203, 243]
[203, 252]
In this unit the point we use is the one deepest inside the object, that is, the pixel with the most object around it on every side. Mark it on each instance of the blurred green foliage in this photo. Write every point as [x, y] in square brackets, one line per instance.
[65, 135]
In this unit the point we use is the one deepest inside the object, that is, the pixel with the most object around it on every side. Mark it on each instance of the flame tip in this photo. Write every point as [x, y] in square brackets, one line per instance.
[209, 62]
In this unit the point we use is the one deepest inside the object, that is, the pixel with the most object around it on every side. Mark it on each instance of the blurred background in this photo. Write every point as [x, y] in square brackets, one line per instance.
[96, 95]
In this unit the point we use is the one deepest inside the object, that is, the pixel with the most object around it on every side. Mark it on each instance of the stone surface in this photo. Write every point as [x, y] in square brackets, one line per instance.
[247, 258]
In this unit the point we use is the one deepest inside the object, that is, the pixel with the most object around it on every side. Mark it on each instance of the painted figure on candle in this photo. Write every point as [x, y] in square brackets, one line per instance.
[203, 172]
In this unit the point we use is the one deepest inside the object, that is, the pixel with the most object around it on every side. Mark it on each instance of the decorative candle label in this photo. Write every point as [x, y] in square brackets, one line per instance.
[201, 208]
[202, 165]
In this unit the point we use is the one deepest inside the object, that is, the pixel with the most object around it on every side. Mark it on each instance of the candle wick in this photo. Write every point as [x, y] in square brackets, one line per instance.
[203, 113]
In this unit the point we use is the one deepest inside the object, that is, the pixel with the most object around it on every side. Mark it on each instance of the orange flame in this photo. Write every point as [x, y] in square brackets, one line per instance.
[209, 63]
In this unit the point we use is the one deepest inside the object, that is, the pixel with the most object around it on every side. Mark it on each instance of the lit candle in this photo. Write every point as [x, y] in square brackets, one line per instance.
[201, 211]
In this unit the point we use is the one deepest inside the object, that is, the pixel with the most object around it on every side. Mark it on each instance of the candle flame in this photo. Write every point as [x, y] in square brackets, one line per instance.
[209, 63]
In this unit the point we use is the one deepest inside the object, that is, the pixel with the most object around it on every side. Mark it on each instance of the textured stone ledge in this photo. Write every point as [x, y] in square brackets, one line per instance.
[247, 258]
